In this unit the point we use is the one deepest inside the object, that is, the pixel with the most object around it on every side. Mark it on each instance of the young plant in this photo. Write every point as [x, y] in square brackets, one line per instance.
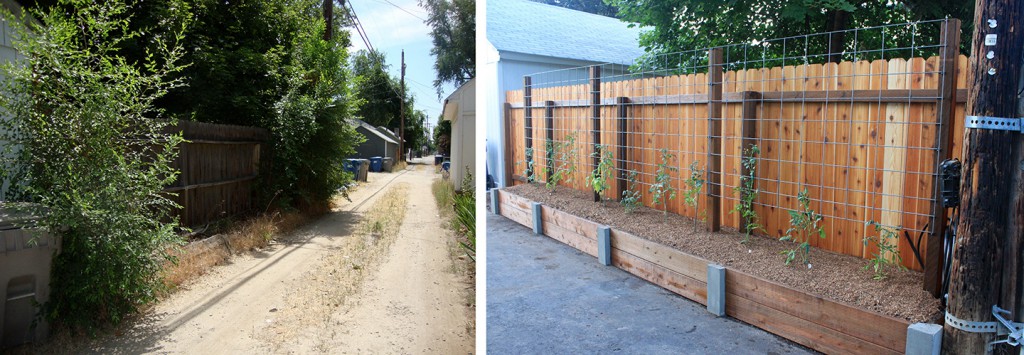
[598, 179]
[662, 190]
[564, 155]
[748, 193]
[531, 174]
[887, 250]
[802, 224]
[694, 183]
[631, 197]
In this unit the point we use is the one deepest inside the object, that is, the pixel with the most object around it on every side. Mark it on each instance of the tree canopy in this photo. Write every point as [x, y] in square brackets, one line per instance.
[380, 97]
[453, 30]
[681, 25]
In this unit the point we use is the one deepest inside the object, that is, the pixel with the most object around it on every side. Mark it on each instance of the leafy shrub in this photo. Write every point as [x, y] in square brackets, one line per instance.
[465, 214]
[694, 183]
[748, 192]
[887, 254]
[662, 190]
[91, 149]
[631, 197]
[802, 224]
[598, 179]
[564, 155]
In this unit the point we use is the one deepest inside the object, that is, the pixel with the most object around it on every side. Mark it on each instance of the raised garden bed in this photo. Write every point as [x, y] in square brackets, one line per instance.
[833, 307]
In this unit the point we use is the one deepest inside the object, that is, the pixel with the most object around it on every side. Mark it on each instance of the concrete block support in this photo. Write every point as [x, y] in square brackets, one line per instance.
[604, 245]
[924, 339]
[716, 289]
[538, 225]
[495, 209]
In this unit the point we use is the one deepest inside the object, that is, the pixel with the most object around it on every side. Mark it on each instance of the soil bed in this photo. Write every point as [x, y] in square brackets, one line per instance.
[833, 276]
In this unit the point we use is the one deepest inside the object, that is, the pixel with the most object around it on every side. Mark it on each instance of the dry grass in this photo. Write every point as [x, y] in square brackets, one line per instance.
[399, 166]
[196, 258]
[461, 264]
[340, 274]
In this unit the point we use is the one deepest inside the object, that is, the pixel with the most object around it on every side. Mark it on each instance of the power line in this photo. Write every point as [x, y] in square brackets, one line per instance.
[403, 9]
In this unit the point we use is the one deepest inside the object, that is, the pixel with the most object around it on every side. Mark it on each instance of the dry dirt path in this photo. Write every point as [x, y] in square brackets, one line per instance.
[409, 301]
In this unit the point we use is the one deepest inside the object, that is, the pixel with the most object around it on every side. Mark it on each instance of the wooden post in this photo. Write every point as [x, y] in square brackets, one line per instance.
[749, 131]
[507, 149]
[595, 114]
[714, 194]
[990, 175]
[528, 126]
[623, 114]
[950, 50]
[549, 111]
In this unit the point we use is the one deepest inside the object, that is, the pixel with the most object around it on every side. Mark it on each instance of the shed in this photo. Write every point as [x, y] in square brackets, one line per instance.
[460, 109]
[525, 37]
[377, 144]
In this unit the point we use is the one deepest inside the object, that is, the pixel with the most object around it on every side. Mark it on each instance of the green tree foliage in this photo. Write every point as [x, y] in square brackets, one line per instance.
[93, 154]
[680, 25]
[443, 136]
[265, 63]
[377, 90]
[453, 29]
[380, 98]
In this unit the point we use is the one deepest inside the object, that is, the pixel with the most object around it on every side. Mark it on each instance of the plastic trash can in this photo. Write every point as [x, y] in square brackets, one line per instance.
[352, 166]
[364, 168]
[376, 164]
[24, 280]
[438, 159]
[386, 165]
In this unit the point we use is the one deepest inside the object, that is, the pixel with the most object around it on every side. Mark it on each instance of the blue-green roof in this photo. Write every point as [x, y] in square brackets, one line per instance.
[533, 28]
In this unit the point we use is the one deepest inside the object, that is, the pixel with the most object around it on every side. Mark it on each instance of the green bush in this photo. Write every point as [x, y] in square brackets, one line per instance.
[83, 136]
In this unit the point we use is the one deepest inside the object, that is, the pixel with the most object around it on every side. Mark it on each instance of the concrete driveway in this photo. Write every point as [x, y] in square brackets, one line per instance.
[546, 297]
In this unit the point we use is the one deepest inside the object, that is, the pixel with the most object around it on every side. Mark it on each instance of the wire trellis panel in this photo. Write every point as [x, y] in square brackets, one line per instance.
[862, 136]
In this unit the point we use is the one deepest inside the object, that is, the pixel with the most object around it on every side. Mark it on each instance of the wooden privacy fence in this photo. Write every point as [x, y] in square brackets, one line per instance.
[863, 137]
[219, 167]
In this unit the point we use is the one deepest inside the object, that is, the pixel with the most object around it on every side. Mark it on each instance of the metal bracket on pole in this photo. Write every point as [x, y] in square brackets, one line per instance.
[1013, 331]
[996, 123]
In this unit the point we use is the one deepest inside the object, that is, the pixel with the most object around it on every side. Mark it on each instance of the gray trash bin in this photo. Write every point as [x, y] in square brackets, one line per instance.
[364, 169]
[24, 280]
[387, 164]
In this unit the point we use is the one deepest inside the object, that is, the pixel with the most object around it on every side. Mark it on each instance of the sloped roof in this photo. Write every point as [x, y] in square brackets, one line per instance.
[533, 28]
[372, 129]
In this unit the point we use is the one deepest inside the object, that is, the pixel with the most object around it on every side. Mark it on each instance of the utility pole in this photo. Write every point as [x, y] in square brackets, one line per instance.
[329, 18]
[401, 128]
[986, 268]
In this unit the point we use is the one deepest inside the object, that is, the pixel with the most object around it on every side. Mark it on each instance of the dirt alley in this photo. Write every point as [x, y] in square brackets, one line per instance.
[411, 301]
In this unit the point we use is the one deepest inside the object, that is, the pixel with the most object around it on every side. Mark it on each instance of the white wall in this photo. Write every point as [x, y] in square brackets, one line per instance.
[463, 133]
[509, 69]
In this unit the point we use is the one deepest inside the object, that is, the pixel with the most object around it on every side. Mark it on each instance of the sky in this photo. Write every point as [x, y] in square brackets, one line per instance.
[394, 25]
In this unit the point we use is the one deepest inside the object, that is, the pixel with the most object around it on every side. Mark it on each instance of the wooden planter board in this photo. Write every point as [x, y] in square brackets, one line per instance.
[824, 325]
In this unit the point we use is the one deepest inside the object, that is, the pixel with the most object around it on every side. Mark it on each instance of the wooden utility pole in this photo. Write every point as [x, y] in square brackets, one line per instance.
[981, 267]
[401, 99]
[329, 18]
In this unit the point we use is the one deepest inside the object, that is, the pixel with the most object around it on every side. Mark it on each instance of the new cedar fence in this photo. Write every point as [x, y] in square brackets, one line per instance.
[864, 135]
[219, 165]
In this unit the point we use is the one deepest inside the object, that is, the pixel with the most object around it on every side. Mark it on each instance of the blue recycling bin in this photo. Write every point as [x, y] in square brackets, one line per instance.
[376, 164]
[352, 166]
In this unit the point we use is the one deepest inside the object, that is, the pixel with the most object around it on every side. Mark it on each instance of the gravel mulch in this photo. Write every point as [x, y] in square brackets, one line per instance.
[832, 276]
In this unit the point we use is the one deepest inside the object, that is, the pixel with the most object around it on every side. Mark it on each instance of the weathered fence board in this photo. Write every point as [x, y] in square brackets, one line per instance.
[219, 166]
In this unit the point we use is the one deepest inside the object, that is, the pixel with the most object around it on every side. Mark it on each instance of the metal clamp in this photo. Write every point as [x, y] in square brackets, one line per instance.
[1014, 331]
[996, 123]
